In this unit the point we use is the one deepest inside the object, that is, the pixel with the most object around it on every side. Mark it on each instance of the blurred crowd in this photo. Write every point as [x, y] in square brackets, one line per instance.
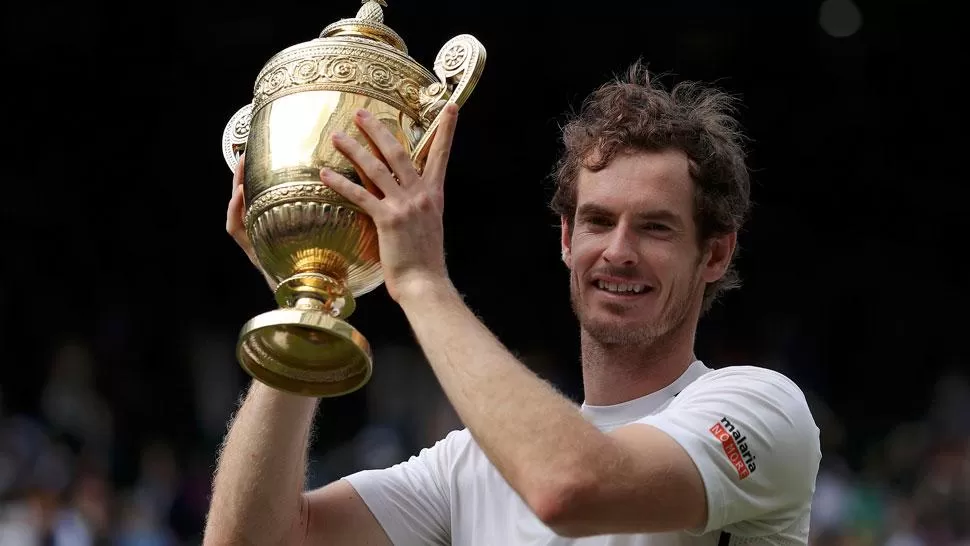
[61, 482]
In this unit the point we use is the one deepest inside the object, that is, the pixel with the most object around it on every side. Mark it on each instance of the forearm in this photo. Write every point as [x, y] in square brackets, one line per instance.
[534, 436]
[258, 488]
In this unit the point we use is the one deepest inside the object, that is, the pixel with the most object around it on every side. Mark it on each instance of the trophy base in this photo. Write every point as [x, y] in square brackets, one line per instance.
[305, 351]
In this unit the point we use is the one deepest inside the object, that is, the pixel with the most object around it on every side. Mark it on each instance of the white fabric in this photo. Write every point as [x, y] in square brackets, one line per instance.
[734, 422]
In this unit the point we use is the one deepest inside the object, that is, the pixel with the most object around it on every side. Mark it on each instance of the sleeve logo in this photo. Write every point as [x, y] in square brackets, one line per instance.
[735, 445]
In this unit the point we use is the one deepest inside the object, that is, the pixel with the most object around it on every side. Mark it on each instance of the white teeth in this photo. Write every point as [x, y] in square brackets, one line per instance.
[620, 287]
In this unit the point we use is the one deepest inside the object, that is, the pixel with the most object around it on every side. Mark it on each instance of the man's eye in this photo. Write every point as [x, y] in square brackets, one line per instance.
[598, 221]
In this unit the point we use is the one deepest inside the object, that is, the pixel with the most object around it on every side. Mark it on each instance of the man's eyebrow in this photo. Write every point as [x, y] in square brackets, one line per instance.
[657, 215]
[661, 215]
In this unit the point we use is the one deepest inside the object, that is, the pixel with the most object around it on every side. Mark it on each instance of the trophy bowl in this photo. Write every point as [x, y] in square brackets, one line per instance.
[320, 249]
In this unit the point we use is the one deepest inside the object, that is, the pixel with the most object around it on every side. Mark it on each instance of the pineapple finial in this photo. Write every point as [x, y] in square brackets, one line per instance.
[371, 10]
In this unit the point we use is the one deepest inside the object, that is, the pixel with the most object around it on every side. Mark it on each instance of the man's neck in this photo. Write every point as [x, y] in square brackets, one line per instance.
[613, 374]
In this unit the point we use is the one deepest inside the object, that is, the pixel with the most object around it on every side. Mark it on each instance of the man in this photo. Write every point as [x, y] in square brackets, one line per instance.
[652, 190]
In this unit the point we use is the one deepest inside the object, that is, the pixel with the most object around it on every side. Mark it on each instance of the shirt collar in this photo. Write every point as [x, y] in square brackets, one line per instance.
[631, 410]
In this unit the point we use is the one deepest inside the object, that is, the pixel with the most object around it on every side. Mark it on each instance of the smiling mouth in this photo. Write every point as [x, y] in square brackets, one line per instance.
[622, 289]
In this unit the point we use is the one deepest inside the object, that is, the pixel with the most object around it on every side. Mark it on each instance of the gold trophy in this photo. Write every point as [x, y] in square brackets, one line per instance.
[319, 248]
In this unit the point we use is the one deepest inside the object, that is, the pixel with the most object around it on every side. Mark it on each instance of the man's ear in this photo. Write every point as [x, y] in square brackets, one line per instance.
[566, 240]
[719, 252]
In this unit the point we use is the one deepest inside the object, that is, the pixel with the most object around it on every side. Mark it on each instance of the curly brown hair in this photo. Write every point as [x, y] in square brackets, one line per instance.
[634, 113]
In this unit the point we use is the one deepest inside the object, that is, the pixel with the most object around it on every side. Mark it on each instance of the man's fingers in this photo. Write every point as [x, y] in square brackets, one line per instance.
[354, 193]
[387, 147]
[239, 175]
[440, 152]
[236, 211]
[367, 163]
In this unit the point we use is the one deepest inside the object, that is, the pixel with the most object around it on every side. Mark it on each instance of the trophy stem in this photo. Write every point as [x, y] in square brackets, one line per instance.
[318, 292]
[305, 347]
[311, 303]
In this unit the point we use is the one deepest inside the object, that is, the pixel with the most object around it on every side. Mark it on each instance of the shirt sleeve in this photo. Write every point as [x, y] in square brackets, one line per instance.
[411, 500]
[752, 436]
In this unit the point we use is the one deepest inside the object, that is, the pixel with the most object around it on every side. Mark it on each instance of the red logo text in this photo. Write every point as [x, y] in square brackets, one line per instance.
[735, 446]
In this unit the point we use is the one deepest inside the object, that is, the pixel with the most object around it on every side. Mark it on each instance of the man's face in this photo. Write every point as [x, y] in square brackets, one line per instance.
[637, 271]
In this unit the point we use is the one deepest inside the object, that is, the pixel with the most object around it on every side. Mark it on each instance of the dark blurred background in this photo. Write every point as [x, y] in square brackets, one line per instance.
[121, 294]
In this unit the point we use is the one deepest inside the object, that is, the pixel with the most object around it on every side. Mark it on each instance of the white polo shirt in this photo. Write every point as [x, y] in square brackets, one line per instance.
[749, 430]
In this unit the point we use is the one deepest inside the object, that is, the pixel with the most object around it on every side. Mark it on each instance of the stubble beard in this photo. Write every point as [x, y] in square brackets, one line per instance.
[645, 334]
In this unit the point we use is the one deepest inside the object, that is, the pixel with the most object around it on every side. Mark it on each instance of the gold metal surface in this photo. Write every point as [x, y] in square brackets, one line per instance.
[321, 249]
[305, 351]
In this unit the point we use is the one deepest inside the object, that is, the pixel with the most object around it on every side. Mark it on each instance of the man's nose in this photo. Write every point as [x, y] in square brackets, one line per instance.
[622, 248]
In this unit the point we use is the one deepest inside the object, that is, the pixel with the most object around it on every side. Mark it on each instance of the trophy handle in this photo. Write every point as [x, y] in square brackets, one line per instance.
[235, 136]
[459, 66]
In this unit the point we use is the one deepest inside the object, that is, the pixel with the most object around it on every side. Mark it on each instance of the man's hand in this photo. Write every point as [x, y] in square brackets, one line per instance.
[235, 215]
[409, 216]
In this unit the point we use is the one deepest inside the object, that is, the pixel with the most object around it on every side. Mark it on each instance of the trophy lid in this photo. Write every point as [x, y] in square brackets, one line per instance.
[368, 23]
